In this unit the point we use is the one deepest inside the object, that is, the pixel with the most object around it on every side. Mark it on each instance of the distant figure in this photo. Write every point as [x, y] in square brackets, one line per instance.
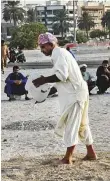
[15, 84]
[20, 55]
[87, 77]
[68, 48]
[12, 55]
[4, 55]
[103, 77]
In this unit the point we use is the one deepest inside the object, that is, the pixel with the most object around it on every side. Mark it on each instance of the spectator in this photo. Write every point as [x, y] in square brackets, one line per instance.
[15, 84]
[20, 55]
[103, 77]
[12, 54]
[4, 55]
[87, 77]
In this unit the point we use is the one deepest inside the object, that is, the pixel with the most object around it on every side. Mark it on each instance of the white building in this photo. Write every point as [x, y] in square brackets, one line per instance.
[45, 14]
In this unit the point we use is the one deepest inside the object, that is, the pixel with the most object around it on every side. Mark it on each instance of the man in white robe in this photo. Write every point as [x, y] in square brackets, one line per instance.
[73, 97]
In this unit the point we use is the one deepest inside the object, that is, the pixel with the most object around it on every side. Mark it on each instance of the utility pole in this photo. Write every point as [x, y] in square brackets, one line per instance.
[74, 18]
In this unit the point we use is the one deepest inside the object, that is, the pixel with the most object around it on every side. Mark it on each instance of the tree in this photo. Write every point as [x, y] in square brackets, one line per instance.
[86, 22]
[31, 15]
[12, 12]
[57, 27]
[61, 23]
[106, 21]
[97, 34]
[27, 35]
[81, 38]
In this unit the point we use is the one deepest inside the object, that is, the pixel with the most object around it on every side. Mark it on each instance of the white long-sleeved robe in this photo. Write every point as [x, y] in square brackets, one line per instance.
[73, 99]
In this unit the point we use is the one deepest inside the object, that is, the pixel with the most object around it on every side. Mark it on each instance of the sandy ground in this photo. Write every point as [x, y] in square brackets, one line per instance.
[30, 148]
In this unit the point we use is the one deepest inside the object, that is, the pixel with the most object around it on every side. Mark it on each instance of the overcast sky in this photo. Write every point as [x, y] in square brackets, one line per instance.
[43, 1]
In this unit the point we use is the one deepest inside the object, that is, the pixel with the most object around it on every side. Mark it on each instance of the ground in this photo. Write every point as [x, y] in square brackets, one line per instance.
[45, 169]
[30, 148]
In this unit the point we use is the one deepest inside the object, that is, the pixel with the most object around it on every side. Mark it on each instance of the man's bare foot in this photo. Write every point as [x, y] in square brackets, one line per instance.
[90, 157]
[65, 161]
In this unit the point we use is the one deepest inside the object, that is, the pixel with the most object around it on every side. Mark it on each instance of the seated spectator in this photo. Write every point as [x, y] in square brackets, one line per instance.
[68, 48]
[103, 77]
[20, 55]
[87, 77]
[12, 55]
[15, 84]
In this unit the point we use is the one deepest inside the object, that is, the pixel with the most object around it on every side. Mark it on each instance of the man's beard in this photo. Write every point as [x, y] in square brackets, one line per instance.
[48, 53]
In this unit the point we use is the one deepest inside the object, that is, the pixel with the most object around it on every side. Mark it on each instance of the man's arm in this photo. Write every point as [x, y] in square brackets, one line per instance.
[8, 81]
[42, 80]
[99, 71]
[23, 78]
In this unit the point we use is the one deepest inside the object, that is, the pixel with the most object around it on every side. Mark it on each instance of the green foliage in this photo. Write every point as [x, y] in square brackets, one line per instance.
[27, 35]
[86, 22]
[12, 12]
[81, 37]
[98, 34]
[63, 42]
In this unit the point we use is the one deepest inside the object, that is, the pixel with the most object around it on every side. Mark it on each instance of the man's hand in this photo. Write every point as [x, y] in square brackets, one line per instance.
[39, 81]
[18, 82]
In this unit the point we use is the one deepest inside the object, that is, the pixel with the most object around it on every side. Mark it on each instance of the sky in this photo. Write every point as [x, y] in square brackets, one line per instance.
[43, 1]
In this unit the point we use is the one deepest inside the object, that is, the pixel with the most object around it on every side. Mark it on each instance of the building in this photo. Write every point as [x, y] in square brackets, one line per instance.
[96, 9]
[45, 14]
[106, 6]
[53, 2]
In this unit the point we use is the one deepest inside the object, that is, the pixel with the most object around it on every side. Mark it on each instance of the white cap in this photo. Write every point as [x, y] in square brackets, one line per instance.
[83, 65]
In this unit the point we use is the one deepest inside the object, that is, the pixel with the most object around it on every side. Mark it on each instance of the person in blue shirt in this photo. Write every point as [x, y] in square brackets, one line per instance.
[68, 48]
[15, 84]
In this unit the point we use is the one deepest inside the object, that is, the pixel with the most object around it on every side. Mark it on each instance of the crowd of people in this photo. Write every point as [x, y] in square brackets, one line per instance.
[103, 77]
[13, 54]
[16, 55]
[15, 82]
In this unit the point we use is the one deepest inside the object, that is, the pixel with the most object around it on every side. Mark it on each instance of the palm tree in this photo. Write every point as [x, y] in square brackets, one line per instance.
[58, 28]
[86, 23]
[12, 12]
[61, 23]
[31, 15]
[106, 21]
